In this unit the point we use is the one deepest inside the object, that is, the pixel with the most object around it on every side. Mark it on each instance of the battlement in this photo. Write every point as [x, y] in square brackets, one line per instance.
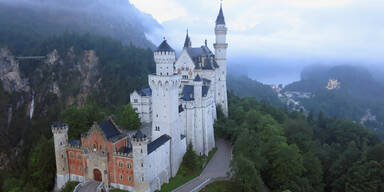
[59, 127]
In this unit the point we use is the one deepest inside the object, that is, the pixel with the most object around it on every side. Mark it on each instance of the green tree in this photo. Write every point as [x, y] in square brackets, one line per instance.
[127, 117]
[363, 177]
[245, 173]
[190, 158]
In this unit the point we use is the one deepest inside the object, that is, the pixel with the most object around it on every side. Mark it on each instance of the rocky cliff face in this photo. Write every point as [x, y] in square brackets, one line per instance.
[10, 73]
[60, 80]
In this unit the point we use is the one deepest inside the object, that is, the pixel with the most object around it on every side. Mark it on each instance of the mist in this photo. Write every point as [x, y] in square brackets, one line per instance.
[118, 19]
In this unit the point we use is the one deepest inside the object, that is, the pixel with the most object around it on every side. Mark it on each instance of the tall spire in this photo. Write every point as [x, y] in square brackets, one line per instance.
[220, 18]
[187, 42]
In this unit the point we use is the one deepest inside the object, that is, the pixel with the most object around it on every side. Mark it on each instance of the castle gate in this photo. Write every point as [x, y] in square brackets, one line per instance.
[97, 175]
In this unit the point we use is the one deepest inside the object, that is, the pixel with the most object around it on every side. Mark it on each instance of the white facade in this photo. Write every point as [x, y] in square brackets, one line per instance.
[142, 103]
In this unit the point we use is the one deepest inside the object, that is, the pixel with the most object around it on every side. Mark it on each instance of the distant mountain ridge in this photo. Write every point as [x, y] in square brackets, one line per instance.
[343, 91]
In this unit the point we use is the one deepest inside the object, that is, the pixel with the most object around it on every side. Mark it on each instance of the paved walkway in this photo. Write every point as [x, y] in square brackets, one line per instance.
[217, 168]
[89, 186]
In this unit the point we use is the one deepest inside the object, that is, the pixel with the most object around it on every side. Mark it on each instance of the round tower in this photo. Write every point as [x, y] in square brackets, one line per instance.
[165, 57]
[221, 59]
[139, 149]
[60, 136]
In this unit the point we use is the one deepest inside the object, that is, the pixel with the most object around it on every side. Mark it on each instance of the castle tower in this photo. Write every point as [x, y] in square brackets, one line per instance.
[221, 59]
[198, 141]
[165, 102]
[139, 149]
[60, 136]
[165, 86]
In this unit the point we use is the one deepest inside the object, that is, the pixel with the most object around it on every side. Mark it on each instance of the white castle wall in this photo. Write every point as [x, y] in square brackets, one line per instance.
[159, 166]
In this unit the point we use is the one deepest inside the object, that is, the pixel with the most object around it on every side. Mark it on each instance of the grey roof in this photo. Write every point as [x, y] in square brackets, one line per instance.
[164, 47]
[59, 124]
[197, 78]
[220, 18]
[197, 55]
[187, 93]
[109, 129]
[139, 135]
[157, 143]
[146, 92]
[75, 142]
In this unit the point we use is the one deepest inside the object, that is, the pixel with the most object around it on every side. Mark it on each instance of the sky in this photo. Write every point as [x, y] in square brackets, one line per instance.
[276, 38]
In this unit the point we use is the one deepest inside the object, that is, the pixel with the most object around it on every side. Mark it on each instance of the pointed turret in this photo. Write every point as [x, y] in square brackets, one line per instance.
[187, 43]
[220, 18]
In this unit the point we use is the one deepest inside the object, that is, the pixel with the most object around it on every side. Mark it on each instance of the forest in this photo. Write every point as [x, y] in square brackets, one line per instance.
[287, 151]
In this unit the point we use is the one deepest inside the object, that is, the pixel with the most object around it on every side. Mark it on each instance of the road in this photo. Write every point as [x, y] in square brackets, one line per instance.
[217, 168]
[89, 186]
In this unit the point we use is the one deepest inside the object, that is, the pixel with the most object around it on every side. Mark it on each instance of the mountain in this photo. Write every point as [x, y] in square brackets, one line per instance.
[348, 92]
[245, 87]
[117, 19]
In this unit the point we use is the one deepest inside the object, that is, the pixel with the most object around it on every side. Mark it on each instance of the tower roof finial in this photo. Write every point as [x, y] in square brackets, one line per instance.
[187, 42]
[220, 18]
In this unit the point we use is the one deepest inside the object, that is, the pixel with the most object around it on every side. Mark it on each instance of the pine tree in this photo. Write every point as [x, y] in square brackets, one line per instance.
[190, 158]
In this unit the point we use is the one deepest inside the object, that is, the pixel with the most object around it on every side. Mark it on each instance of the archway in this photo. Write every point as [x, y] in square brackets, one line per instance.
[97, 175]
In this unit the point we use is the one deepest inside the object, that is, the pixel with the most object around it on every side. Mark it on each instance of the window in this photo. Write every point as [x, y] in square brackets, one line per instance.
[142, 165]
[129, 165]
[78, 156]
[72, 167]
[129, 178]
[141, 150]
[120, 164]
[71, 154]
[157, 128]
[121, 177]
[142, 178]
[135, 100]
[79, 168]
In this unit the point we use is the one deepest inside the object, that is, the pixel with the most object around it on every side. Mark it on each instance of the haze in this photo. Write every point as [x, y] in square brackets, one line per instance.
[274, 39]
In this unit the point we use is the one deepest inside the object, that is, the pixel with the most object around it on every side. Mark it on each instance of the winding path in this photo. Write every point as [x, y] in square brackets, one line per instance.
[217, 168]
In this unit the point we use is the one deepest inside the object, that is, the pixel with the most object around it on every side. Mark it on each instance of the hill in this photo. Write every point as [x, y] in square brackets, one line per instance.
[246, 87]
[347, 92]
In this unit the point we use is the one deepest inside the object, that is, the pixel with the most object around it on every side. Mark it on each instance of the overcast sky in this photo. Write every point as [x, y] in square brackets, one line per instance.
[297, 31]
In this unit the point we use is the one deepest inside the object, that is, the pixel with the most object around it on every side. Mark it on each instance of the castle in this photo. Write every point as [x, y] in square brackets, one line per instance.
[178, 108]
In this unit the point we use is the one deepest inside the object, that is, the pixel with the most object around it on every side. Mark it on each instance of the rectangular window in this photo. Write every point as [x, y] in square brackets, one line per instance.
[129, 178]
[120, 164]
[71, 154]
[129, 166]
[135, 101]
